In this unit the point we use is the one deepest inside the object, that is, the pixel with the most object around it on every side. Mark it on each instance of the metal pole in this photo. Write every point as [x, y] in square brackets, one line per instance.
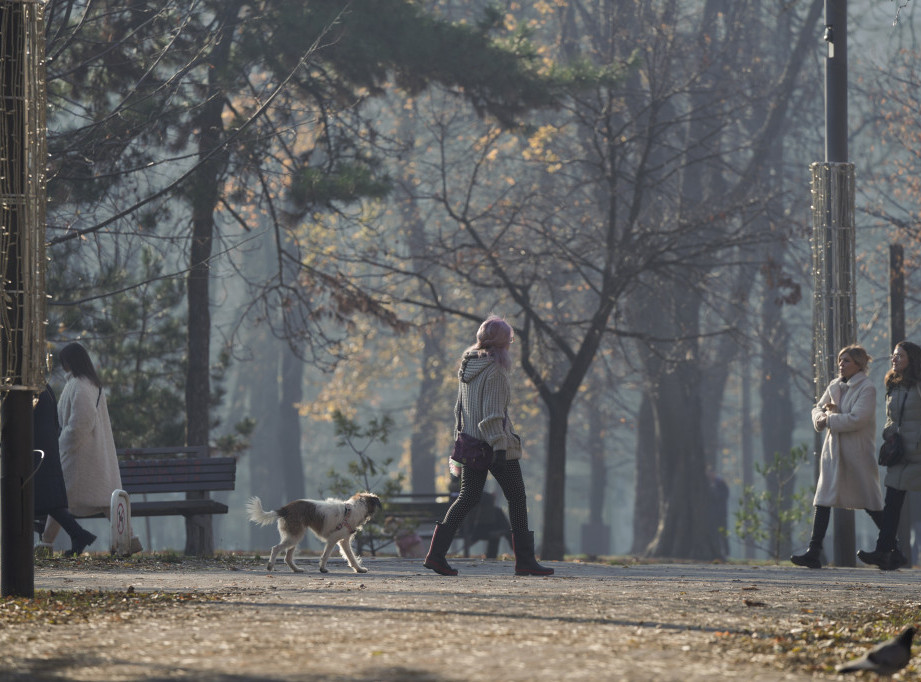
[834, 310]
[833, 240]
[836, 81]
[22, 287]
[17, 571]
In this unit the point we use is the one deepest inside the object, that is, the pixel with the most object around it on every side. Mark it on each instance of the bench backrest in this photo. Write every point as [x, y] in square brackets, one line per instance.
[175, 451]
[178, 475]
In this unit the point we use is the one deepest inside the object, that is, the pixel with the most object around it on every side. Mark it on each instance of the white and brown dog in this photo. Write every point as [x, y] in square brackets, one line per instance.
[332, 521]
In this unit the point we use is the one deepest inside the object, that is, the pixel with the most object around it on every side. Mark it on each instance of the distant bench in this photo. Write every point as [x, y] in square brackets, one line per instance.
[175, 470]
[419, 509]
[420, 512]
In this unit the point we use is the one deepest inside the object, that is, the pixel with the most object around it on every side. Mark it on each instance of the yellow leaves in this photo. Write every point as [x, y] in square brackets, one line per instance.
[539, 148]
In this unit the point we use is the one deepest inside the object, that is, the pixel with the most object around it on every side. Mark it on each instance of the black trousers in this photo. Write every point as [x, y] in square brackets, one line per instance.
[508, 476]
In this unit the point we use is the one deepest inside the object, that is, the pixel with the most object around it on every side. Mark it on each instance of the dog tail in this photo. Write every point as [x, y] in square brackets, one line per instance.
[259, 515]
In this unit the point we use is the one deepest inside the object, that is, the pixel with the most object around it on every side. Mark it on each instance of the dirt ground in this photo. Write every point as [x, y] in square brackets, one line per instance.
[590, 621]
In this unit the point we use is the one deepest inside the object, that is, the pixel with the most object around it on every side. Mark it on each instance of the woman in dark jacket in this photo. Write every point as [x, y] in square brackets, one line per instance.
[903, 413]
[50, 491]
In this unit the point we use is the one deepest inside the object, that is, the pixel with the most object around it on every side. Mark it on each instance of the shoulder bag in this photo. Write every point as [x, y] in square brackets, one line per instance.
[469, 451]
[892, 450]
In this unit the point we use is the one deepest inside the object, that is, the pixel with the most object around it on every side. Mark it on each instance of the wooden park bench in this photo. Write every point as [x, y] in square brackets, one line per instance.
[420, 512]
[155, 471]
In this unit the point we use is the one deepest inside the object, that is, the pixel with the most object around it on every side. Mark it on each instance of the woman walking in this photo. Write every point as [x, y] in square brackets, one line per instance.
[903, 414]
[50, 490]
[88, 457]
[848, 474]
[481, 411]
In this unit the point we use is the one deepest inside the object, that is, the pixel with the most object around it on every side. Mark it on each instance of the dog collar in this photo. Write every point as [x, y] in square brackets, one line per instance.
[345, 523]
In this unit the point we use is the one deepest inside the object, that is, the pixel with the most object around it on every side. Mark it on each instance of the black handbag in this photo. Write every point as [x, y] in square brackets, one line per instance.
[472, 452]
[469, 451]
[892, 450]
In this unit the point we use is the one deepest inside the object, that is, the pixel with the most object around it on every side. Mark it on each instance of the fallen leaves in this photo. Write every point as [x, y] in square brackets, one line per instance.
[57, 607]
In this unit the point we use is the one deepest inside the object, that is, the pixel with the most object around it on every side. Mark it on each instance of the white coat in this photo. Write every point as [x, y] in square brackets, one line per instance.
[848, 473]
[88, 456]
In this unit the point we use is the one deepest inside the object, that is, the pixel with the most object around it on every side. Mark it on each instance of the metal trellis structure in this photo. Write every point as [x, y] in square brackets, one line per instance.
[23, 364]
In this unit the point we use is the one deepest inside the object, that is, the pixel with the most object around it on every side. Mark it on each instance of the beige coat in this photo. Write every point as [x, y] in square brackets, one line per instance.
[848, 473]
[907, 474]
[87, 447]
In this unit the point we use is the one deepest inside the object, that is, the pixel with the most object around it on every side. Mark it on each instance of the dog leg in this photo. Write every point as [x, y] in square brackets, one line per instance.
[345, 546]
[275, 550]
[289, 559]
[323, 559]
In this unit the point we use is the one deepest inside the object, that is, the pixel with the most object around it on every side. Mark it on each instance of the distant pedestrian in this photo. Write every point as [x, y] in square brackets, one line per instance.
[88, 457]
[50, 490]
[481, 411]
[848, 473]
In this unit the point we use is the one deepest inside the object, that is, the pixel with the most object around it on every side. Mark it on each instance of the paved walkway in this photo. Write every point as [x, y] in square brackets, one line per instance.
[401, 622]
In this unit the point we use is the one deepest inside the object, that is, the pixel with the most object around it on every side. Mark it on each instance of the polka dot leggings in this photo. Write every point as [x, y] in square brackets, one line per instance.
[471, 488]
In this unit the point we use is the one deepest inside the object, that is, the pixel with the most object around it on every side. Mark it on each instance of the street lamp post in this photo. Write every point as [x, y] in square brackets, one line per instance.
[833, 240]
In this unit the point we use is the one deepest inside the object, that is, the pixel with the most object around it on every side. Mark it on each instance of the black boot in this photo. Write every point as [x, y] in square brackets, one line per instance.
[811, 558]
[894, 561]
[877, 557]
[80, 537]
[525, 563]
[435, 559]
[884, 559]
[81, 541]
[886, 556]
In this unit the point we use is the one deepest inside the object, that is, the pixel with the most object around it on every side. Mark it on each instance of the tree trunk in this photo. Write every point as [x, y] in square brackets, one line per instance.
[204, 196]
[776, 414]
[685, 521]
[429, 418]
[646, 495]
[747, 444]
[289, 426]
[554, 544]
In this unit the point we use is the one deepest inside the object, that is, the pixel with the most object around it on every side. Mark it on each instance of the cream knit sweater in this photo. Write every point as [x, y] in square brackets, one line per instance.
[483, 395]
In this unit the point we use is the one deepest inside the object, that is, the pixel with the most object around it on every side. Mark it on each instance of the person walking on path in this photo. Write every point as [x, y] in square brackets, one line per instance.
[481, 411]
[848, 474]
[50, 490]
[88, 457]
[903, 414]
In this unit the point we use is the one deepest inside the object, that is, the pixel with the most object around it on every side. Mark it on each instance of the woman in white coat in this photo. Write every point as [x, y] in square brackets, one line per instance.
[87, 447]
[848, 473]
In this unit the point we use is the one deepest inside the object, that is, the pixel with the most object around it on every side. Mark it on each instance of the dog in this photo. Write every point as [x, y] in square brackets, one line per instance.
[332, 521]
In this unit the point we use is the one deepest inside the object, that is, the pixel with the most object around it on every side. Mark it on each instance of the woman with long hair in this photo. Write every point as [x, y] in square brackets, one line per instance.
[903, 414]
[481, 411]
[87, 446]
